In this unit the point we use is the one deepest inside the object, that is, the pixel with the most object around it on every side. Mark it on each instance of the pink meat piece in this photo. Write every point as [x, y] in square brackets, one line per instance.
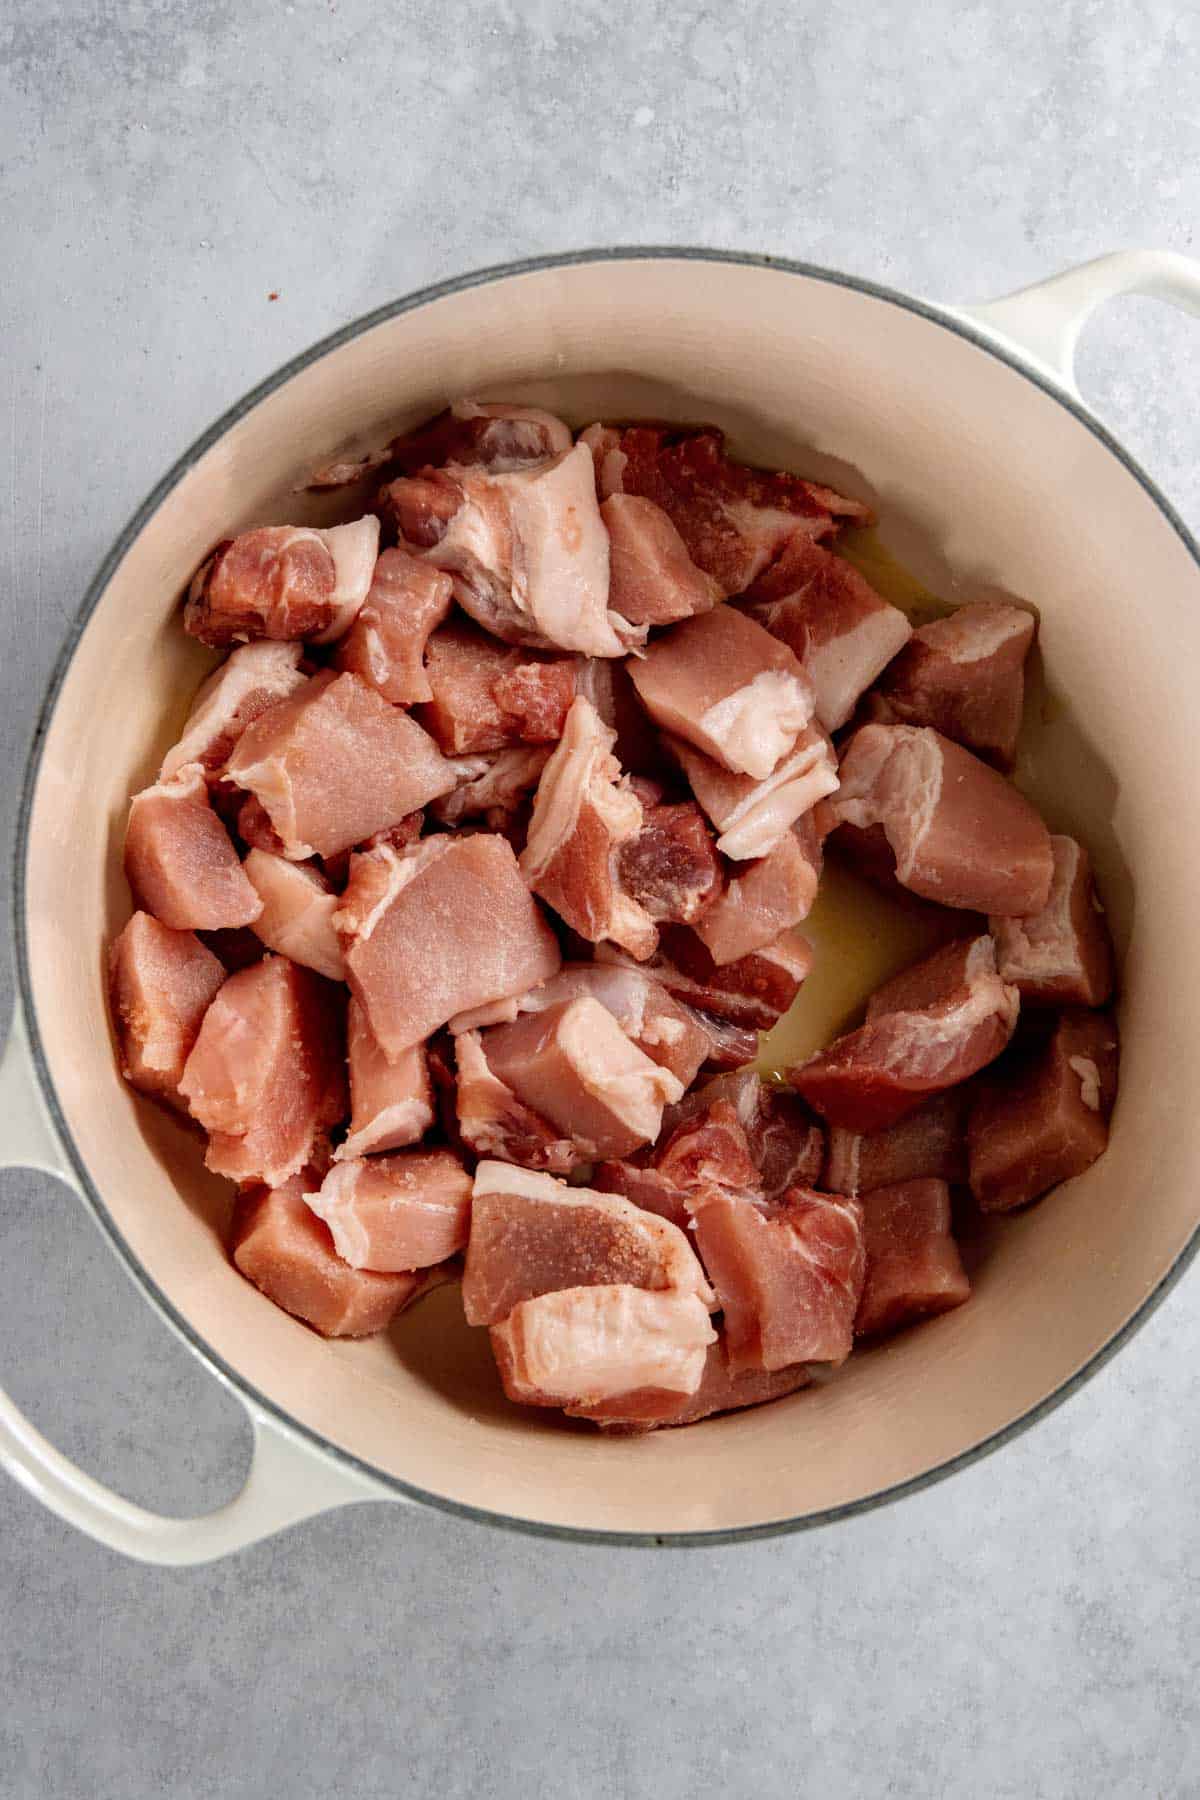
[671, 868]
[391, 1102]
[1061, 956]
[335, 763]
[750, 995]
[527, 551]
[411, 1210]
[415, 953]
[764, 899]
[162, 984]
[939, 976]
[869, 1079]
[840, 630]
[250, 680]
[734, 520]
[653, 580]
[492, 788]
[280, 1245]
[720, 1391]
[405, 831]
[586, 1345]
[386, 643]
[486, 696]
[582, 815]
[913, 1266]
[575, 1067]
[1043, 1117]
[646, 1187]
[785, 1139]
[498, 435]
[533, 1235]
[708, 1152]
[180, 860]
[284, 582]
[724, 684]
[754, 817]
[965, 676]
[930, 1142]
[961, 834]
[491, 1122]
[298, 905]
[266, 1075]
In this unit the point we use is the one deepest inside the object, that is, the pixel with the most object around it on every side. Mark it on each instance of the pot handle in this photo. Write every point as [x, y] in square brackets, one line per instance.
[288, 1481]
[1045, 321]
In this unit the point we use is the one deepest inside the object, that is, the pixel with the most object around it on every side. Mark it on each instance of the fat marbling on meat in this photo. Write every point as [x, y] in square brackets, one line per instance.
[1062, 955]
[284, 582]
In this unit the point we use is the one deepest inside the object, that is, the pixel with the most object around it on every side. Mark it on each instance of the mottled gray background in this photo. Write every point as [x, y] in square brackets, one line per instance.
[1027, 1629]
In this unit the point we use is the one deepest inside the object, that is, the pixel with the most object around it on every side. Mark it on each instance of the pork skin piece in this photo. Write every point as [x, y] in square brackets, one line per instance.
[252, 678]
[582, 814]
[266, 1076]
[754, 817]
[1061, 956]
[734, 520]
[869, 1079]
[585, 1345]
[391, 1103]
[298, 905]
[671, 868]
[965, 676]
[575, 1066]
[280, 1245]
[162, 983]
[386, 643]
[492, 1123]
[527, 551]
[652, 579]
[335, 763]
[437, 929]
[284, 582]
[499, 435]
[180, 861]
[492, 788]
[961, 834]
[1042, 1118]
[723, 684]
[785, 1139]
[410, 1210]
[761, 901]
[533, 1235]
[720, 1391]
[931, 1142]
[913, 1266]
[840, 630]
[486, 696]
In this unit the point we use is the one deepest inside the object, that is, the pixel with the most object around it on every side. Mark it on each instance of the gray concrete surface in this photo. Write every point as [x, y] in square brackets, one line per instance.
[1027, 1629]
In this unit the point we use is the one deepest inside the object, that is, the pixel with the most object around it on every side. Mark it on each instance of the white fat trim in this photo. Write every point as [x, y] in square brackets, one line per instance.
[1089, 1080]
[756, 723]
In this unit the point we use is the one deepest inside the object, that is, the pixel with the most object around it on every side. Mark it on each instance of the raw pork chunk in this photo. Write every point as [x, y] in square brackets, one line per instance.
[266, 1076]
[653, 580]
[913, 1265]
[163, 983]
[437, 929]
[284, 582]
[486, 696]
[764, 899]
[336, 763]
[785, 1139]
[720, 1391]
[930, 1141]
[961, 834]
[492, 1123]
[298, 905]
[492, 788]
[586, 1345]
[751, 993]
[965, 676]
[754, 817]
[1061, 956]
[671, 868]
[497, 434]
[250, 680]
[386, 643]
[407, 1211]
[180, 860]
[391, 1102]
[1043, 1117]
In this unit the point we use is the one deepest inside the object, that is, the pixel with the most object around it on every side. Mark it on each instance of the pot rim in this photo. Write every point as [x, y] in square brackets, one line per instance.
[1003, 351]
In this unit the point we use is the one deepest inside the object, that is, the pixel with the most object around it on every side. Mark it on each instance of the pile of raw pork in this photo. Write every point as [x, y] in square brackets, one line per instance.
[480, 864]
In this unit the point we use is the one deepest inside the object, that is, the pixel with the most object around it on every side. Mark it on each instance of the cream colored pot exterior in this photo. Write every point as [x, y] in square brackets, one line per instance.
[987, 474]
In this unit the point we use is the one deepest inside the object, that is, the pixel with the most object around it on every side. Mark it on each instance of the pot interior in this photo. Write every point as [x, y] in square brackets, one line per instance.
[985, 484]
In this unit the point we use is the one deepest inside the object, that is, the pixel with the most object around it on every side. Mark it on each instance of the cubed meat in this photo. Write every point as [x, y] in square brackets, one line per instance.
[785, 1139]
[250, 680]
[336, 763]
[724, 684]
[532, 1235]
[280, 1245]
[720, 1391]
[492, 1123]
[961, 834]
[585, 1345]
[391, 1102]
[500, 435]
[708, 1152]
[493, 788]
[752, 993]
[1061, 956]
[760, 901]
[840, 630]
[1042, 1117]
[646, 1187]
[266, 1075]
[754, 817]
[180, 860]
[386, 643]
[284, 582]
[410, 1210]
[869, 1079]
[930, 1142]
[487, 696]
[162, 984]
[671, 868]
[298, 905]
[437, 929]
[583, 812]
[913, 1266]
[965, 676]
[653, 580]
